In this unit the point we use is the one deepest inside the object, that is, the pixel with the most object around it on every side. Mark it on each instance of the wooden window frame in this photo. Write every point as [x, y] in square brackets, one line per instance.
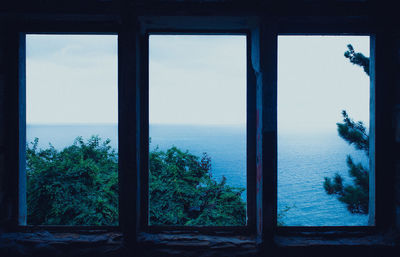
[18, 163]
[365, 228]
[380, 195]
[195, 26]
[262, 33]
[250, 135]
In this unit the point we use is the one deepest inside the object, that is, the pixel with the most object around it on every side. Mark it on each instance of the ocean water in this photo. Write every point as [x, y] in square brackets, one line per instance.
[303, 162]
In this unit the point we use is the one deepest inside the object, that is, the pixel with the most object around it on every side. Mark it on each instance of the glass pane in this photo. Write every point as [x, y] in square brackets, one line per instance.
[197, 113]
[71, 130]
[323, 130]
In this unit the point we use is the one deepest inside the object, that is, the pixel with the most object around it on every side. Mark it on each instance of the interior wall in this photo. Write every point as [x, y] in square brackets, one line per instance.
[113, 12]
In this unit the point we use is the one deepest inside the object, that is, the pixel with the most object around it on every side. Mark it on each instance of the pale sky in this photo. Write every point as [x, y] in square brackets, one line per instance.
[316, 82]
[195, 80]
[71, 79]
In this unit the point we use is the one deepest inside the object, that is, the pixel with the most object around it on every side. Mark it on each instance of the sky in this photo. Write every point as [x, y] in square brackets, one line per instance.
[316, 82]
[71, 79]
[195, 80]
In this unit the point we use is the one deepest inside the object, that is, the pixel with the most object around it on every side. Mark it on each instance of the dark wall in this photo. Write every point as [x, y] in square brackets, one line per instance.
[302, 16]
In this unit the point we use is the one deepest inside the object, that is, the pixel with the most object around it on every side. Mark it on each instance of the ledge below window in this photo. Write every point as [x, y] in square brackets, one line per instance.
[99, 244]
[44, 243]
[191, 244]
[337, 244]
[336, 239]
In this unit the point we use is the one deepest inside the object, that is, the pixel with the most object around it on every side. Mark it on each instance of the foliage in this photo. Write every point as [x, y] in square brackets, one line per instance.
[357, 58]
[354, 133]
[183, 192]
[79, 186]
[75, 186]
[355, 196]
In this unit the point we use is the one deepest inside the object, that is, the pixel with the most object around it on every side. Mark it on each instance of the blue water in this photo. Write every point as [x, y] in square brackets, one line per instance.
[303, 162]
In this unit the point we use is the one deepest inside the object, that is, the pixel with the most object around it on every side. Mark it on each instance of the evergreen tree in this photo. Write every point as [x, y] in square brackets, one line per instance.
[356, 195]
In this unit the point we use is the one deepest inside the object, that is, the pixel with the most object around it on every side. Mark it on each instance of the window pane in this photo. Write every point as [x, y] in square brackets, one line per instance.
[71, 130]
[197, 113]
[323, 152]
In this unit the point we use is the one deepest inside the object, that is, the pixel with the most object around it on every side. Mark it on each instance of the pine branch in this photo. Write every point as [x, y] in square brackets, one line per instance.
[354, 133]
[357, 58]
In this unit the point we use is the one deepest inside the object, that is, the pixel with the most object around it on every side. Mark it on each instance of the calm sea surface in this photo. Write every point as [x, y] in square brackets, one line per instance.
[303, 162]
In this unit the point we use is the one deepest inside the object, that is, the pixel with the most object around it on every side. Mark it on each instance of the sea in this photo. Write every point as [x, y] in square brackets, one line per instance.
[304, 159]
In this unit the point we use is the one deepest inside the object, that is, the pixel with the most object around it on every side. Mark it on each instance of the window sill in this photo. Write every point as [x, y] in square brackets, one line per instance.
[337, 244]
[193, 244]
[44, 243]
[193, 239]
[336, 239]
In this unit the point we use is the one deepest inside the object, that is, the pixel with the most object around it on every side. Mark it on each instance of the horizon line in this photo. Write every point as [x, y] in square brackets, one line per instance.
[116, 123]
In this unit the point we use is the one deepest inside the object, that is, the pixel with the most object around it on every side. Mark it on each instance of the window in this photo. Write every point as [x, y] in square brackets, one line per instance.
[136, 135]
[71, 130]
[323, 131]
[197, 130]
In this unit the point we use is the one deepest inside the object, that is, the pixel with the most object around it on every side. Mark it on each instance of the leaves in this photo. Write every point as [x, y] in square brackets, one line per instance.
[355, 195]
[79, 186]
[75, 186]
[354, 133]
[357, 58]
[183, 192]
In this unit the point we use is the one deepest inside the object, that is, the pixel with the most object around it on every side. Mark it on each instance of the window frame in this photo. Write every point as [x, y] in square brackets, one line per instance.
[367, 228]
[250, 142]
[356, 27]
[263, 33]
[20, 209]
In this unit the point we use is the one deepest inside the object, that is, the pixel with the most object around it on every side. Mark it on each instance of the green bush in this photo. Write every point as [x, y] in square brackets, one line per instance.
[79, 186]
[183, 192]
[75, 186]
